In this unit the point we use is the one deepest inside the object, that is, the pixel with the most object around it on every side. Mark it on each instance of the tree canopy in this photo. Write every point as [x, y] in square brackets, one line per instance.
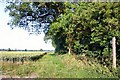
[87, 27]
[34, 17]
[77, 27]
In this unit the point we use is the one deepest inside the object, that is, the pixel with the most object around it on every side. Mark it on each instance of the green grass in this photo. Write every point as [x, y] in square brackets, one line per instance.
[57, 66]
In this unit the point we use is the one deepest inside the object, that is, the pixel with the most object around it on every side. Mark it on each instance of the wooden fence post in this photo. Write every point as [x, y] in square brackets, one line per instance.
[114, 52]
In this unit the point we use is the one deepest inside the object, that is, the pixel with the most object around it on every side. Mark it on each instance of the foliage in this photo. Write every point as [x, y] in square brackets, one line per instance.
[87, 27]
[33, 16]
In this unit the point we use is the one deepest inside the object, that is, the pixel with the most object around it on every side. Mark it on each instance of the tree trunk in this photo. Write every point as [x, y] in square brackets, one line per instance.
[69, 51]
[114, 52]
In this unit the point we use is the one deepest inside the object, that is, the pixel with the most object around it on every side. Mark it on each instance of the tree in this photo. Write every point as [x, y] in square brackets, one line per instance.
[33, 16]
[76, 27]
[9, 49]
[41, 49]
[25, 49]
[71, 26]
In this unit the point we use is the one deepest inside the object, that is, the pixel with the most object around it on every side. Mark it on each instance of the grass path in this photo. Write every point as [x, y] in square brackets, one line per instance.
[57, 66]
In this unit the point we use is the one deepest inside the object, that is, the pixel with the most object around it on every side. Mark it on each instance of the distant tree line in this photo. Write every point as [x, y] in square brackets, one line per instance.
[9, 49]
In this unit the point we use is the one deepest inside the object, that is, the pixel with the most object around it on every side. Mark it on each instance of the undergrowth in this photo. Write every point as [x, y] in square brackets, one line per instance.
[60, 66]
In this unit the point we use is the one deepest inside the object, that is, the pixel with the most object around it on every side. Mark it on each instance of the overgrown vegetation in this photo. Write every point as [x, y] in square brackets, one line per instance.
[59, 66]
[76, 28]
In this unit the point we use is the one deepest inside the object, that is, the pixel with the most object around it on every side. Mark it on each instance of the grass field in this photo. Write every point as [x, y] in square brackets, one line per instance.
[53, 66]
[18, 53]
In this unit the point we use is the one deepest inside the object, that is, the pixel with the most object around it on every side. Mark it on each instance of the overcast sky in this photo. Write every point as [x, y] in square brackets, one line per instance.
[19, 38]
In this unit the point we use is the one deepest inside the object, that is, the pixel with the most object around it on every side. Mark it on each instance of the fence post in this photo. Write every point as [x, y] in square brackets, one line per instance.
[114, 52]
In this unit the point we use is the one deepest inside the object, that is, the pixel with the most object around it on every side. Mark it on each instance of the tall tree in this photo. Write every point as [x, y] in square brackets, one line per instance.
[33, 16]
[75, 27]
[91, 25]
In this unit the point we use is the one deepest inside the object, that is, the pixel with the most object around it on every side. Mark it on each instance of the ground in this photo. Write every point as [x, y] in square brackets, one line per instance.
[55, 66]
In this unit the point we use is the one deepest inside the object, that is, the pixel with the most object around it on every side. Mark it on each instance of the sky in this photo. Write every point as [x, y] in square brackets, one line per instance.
[18, 38]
